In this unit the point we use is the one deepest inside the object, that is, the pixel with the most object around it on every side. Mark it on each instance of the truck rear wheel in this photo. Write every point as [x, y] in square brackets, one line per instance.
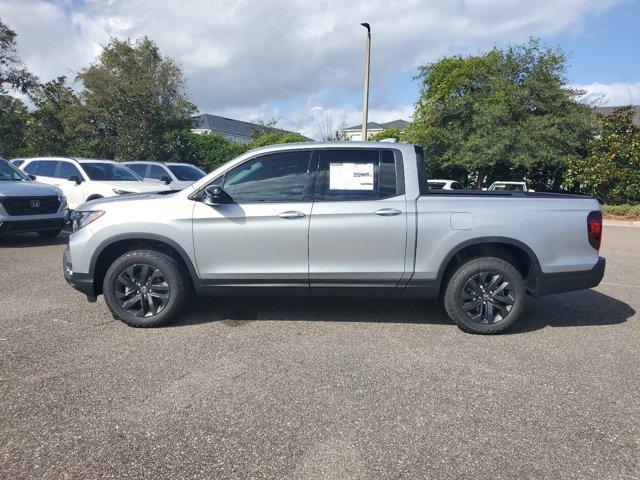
[145, 288]
[485, 295]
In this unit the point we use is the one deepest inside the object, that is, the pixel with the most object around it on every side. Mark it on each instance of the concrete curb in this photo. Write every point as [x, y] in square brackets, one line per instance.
[621, 223]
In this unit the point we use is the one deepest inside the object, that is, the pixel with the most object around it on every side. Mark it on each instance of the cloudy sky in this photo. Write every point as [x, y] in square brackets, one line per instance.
[299, 60]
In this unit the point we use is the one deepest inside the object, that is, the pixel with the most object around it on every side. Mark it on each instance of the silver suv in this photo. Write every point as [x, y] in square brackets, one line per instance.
[28, 206]
[334, 218]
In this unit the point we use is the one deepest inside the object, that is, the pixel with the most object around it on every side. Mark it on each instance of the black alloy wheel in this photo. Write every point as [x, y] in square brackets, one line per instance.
[142, 290]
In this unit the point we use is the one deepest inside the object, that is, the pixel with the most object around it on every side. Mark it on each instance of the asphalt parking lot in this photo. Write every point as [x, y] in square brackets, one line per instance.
[321, 388]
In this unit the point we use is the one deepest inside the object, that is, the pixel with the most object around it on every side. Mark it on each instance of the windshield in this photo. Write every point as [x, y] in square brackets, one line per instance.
[9, 173]
[109, 171]
[186, 172]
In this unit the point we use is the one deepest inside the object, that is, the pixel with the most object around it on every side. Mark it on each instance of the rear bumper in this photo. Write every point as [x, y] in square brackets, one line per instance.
[83, 282]
[550, 283]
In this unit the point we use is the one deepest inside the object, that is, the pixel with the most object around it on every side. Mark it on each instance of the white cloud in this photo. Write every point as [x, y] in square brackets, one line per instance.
[611, 94]
[246, 57]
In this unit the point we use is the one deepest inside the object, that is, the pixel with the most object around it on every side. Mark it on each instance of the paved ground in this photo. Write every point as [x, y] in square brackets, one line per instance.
[267, 388]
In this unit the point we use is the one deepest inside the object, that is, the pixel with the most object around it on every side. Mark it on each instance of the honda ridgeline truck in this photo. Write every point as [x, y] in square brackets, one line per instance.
[341, 218]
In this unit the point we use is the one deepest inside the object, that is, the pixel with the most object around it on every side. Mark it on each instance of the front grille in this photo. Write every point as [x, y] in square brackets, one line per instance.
[31, 225]
[30, 205]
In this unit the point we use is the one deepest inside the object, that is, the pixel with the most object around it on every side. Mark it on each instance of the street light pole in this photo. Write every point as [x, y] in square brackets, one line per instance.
[367, 62]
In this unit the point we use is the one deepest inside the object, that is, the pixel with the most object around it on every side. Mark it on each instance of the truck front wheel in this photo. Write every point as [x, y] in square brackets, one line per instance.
[145, 288]
[485, 295]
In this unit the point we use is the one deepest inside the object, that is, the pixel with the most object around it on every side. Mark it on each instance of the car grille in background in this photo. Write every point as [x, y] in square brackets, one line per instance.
[31, 225]
[30, 205]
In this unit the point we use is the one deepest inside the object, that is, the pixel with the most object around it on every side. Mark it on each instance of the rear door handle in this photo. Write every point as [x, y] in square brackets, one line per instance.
[387, 212]
[291, 214]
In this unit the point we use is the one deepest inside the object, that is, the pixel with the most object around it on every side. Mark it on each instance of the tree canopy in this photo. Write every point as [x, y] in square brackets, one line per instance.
[13, 75]
[131, 98]
[501, 115]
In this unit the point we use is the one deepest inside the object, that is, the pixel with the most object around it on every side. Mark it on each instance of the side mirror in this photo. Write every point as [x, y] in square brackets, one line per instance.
[215, 195]
[166, 179]
[32, 177]
[75, 178]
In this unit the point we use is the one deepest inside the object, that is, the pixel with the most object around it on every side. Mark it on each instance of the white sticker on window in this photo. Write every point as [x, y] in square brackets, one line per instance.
[350, 176]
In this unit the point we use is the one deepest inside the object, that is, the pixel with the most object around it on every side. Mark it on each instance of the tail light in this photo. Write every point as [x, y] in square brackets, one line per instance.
[594, 228]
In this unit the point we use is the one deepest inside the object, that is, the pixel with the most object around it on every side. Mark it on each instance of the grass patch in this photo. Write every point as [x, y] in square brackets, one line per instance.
[627, 211]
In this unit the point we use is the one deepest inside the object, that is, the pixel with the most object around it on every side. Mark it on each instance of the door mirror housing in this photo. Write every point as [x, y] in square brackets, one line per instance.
[166, 179]
[32, 177]
[74, 178]
[215, 195]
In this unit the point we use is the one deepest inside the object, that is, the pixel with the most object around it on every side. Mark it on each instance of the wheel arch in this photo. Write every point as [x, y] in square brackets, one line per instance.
[519, 254]
[117, 245]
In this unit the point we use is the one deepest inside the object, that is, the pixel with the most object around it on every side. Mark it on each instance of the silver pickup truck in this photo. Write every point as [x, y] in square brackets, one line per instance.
[342, 218]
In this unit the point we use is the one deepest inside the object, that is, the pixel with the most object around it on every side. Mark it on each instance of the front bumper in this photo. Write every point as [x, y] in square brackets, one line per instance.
[83, 282]
[550, 283]
[32, 225]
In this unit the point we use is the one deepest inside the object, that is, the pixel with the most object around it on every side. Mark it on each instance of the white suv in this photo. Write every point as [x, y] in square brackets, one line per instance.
[177, 175]
[84, 179]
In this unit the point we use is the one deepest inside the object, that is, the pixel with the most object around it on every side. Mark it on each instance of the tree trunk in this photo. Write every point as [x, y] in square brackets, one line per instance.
[482, 172]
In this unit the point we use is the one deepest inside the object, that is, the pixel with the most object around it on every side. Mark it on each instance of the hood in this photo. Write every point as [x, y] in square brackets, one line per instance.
[28, 189]
[122, 198]
[138, 187]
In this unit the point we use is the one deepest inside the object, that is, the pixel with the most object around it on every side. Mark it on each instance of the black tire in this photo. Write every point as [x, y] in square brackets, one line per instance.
[49, 233]
[124, 283]
[473, 295]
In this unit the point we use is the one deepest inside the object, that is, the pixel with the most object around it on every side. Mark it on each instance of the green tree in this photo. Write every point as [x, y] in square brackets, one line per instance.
[13, 123]
[50, 131]
[506, 114]
[133, 97]
[272, 138]
[13, 74]
[14, 77]
[388, 133]
[611, 171]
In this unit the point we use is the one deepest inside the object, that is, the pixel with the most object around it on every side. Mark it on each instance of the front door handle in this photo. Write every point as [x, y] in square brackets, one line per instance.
[387, 212]
[291, 214]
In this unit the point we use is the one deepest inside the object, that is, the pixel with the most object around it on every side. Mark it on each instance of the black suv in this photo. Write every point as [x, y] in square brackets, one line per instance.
[28, 206]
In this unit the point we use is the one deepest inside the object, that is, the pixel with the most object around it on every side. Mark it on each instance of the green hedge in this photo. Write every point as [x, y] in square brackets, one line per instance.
[622, 210]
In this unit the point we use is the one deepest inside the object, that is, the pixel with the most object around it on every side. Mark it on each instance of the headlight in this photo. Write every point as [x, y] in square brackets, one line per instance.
[63, 202]
[121, 192]
[80, 219]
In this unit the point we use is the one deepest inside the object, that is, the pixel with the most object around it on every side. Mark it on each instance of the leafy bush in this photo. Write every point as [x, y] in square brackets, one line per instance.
[611, 171]
[632, 211]
[388, 133]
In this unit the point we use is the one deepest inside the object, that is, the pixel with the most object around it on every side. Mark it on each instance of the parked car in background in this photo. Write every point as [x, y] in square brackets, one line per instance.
[84, 179]
[177, 175]
[510, 186]
[440, 184]
[334, 218]
[16, 162]
[28, 206]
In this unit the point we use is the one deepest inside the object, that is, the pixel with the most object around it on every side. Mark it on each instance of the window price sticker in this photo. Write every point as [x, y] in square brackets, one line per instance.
[350, 176]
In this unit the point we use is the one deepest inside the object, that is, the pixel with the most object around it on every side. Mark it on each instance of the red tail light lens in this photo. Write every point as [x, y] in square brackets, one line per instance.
[594, 229]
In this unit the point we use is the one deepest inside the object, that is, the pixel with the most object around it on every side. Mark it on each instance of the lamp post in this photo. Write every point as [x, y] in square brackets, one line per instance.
[367, 62]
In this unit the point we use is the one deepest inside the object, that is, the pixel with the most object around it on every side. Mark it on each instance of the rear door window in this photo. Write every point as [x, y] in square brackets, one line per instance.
[358, 174]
